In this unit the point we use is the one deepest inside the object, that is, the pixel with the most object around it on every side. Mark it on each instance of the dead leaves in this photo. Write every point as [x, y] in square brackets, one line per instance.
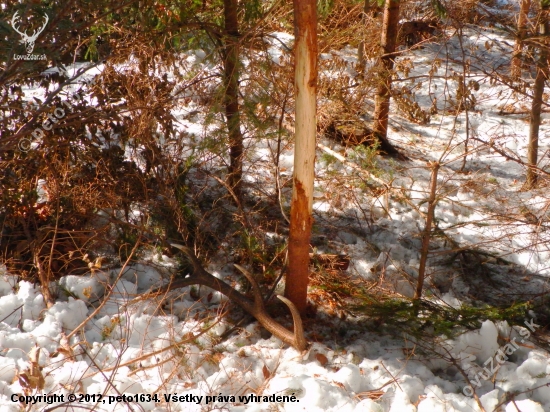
[65, 348]
[322, 359]
[266, 372]
[31, 378]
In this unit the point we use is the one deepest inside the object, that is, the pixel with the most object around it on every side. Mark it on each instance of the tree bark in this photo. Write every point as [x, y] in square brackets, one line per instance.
[231, 97]
[387, 44]
[515, 70]
[305, 81]
[538, 91]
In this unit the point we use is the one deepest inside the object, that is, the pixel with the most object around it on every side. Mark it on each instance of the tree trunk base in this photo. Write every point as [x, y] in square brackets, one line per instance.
[388, 149]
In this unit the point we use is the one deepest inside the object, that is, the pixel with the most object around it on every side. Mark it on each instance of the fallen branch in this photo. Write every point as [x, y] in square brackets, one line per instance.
[256, 308]
[507, 156]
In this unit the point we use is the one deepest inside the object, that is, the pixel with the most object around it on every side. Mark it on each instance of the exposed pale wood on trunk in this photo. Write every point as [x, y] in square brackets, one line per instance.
[305, 78]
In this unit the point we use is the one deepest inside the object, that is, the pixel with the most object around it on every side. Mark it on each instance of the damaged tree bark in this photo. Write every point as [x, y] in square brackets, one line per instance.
[305, 81]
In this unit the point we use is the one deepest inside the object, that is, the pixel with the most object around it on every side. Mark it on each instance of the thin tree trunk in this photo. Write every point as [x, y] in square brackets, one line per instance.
[382, 99]
[231, 98]
[361, 49]
[426, 236]
[536, 108]
[515, 71]
[305, 81]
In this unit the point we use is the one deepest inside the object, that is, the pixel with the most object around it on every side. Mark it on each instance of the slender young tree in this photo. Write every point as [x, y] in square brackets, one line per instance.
[388, 44]
[305, 81]
[231, 97]
[538, 91]
[367, 6]
[515, 70]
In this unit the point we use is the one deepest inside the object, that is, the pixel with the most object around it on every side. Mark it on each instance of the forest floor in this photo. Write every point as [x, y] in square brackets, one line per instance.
[371, 350]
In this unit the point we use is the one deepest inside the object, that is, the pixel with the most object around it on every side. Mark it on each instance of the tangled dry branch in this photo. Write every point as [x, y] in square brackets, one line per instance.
[256, 308]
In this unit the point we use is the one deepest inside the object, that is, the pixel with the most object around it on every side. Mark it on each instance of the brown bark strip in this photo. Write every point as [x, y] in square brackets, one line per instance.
[298, 249]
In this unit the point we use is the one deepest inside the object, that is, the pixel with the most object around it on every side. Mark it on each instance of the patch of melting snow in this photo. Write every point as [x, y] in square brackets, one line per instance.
[323, 379]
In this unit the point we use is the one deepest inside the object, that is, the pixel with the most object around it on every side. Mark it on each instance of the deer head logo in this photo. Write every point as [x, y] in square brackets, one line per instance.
[27, 40]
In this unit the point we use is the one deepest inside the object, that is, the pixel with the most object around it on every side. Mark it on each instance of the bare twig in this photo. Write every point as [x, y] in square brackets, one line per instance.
[427, 231]
[106, 298]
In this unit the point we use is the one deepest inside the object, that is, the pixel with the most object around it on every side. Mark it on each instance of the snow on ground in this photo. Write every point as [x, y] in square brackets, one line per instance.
[144, 348]
[372, 374]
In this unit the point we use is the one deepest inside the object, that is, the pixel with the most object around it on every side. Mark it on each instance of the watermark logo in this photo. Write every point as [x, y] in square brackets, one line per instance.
[26, 144]
[493, 364]
[28, 40]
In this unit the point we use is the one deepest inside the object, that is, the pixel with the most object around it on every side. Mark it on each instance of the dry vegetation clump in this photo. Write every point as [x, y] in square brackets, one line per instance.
[114, 168]
[464, 11]
[344, 23]
[74, 192]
